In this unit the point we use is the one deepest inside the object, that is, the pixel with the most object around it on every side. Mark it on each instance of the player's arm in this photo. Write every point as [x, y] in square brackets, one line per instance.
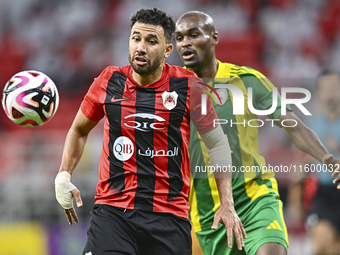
[307, 141]
[220, 155]
[73, 150]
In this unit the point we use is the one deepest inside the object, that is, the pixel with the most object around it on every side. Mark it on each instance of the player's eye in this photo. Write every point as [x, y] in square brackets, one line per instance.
[194, 35]
[179, 38]
[136, 39]
[152, 42]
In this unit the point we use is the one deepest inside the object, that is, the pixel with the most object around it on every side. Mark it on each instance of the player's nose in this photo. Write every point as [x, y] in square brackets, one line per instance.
[141, 49]
[186, 41]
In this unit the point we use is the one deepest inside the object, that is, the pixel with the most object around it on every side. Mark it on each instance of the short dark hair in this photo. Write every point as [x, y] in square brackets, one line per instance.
[325, 72]
[156, 17]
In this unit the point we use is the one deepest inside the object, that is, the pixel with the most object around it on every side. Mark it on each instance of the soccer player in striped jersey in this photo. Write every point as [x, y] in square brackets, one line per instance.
[256, 196]
[141, 205]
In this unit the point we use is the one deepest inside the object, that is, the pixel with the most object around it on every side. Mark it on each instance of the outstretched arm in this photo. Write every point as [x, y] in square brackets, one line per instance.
[73, 150]
[307, 141]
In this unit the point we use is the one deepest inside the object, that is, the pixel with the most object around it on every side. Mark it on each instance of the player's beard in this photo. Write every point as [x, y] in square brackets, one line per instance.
[199, 61]
[145, 69]
[192, 64]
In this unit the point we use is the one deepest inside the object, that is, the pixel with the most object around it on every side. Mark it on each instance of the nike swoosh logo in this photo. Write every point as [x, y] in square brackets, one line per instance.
[113, 100]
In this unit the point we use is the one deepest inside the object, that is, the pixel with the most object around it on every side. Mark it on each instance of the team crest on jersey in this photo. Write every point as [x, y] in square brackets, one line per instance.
[223, 94]
[169, 99]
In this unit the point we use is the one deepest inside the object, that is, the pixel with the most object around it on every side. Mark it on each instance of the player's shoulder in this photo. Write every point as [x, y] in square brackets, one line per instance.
[248, 76]
[126, 70]
[109, 70]
[240, 71]
[177, 71]
[102, 79]
[248, 71]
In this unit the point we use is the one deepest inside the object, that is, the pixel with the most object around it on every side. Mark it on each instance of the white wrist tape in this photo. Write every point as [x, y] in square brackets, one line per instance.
[63, 188]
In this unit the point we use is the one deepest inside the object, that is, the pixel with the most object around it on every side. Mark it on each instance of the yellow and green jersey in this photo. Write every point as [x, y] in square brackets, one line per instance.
[242, 135]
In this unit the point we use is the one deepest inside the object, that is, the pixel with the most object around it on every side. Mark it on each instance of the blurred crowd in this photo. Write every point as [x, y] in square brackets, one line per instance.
[72, 41]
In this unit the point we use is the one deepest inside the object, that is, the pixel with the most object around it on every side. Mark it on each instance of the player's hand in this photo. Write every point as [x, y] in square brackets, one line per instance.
[71, 213]
[333, 165]
[229, 218]
[65, 191]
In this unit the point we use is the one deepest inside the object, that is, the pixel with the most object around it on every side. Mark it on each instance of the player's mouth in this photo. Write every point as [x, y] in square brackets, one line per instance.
[140, 60]
[188, 54]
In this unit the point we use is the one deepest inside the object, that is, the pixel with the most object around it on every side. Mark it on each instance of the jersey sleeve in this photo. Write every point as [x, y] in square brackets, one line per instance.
[202, 122]
[92, 105]
[263, 94]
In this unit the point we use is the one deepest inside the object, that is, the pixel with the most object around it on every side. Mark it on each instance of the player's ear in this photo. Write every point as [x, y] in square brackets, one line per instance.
[214, 38]
[169, 48]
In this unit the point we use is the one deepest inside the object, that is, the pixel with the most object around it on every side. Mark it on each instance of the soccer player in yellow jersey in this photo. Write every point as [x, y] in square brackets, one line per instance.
[256, 196]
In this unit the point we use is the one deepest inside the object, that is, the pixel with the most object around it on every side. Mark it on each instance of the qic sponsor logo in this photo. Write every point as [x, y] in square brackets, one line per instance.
[144, 122]
[123, 148]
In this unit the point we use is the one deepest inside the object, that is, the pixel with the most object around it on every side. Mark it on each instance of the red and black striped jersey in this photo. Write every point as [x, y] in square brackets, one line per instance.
[145, 162]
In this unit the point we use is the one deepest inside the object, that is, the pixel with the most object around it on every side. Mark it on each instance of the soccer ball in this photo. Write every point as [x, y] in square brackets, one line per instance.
[30, 98]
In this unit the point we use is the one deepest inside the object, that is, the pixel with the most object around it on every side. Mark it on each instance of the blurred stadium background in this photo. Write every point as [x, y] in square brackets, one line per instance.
[72, 41]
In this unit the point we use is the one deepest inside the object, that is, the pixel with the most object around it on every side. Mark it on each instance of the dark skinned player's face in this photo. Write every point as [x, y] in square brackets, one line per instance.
[194, 42]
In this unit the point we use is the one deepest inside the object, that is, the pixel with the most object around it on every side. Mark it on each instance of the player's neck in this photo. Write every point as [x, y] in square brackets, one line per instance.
[147, 79]
[209, 70]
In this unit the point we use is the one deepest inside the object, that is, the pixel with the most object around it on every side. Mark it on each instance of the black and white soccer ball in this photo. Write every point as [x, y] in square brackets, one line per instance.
[30, 98]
